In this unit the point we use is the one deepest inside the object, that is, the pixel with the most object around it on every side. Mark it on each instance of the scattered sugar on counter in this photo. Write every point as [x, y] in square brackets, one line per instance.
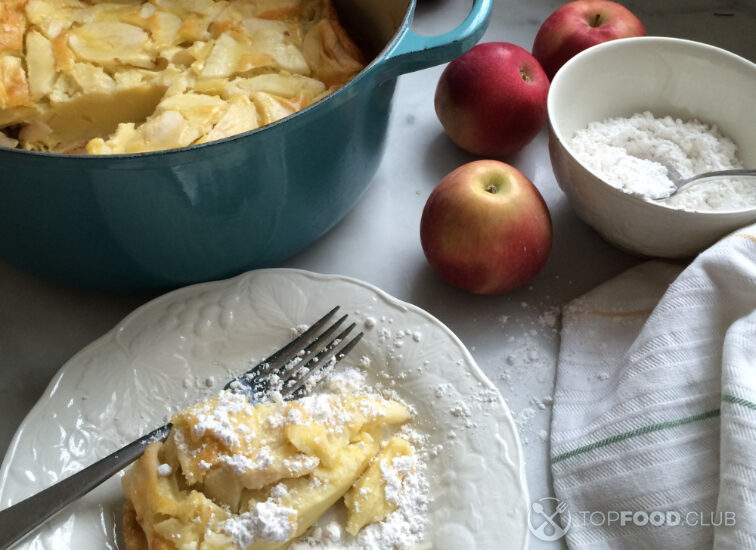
[628, 153]
[549, 318]
[524, 416]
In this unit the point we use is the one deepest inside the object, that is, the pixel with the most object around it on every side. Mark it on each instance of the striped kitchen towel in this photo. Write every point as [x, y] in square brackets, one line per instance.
[653, 442]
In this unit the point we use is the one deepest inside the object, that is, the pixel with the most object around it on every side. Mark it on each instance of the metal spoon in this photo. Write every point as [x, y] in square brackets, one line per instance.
[680, 182]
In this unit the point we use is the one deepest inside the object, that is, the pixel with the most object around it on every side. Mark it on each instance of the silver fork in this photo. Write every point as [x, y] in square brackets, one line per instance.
[292, 371]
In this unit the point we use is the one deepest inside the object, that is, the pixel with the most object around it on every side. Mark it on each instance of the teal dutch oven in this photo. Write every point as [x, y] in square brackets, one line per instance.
[169, 218]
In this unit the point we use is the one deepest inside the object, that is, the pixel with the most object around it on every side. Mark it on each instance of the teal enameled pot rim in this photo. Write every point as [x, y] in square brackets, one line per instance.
[406, 52]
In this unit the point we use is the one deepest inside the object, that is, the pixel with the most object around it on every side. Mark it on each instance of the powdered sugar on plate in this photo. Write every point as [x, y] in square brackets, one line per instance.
[628, 153]
[406, 486]
[267, 521]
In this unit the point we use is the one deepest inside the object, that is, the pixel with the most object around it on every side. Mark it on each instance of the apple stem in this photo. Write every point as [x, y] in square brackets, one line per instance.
[596, 20]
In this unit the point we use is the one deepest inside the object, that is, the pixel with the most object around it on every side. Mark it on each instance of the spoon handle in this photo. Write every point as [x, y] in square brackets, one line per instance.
[20, 519]
[720, 173]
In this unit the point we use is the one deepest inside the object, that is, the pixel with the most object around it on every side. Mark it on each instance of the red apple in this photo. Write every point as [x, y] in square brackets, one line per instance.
[485, 228]
[492, 100]
[579, 25]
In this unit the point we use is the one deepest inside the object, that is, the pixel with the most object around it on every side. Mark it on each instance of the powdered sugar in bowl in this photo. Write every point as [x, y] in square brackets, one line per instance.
[691, 82]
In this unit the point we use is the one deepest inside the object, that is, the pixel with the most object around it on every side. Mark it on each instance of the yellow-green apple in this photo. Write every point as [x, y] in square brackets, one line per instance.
[492, 99]
[485, 228]
[579, 25]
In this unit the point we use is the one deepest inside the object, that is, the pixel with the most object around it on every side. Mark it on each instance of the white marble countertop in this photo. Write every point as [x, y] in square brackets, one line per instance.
[513, 337]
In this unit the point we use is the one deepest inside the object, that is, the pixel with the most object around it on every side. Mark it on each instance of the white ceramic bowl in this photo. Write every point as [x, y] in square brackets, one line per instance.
[666, 76]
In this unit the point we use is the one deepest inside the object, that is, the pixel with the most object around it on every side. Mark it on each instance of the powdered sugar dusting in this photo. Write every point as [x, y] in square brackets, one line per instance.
[238, 463]
[216, 420]
[271, 521]
[394, 475]
[406, 478]
[268, 521]
[406, 486]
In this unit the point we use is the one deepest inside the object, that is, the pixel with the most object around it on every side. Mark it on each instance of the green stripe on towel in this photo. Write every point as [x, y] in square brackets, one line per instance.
[635, 433]
[739, 401]
[654, 428]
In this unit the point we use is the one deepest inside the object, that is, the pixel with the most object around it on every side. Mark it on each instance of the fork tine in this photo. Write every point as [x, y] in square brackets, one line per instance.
[306, 385]
[320, 342]
[281, 357]
[319, 358]
[287, 353]
[348, 347]
[338, 348]
[301, 356]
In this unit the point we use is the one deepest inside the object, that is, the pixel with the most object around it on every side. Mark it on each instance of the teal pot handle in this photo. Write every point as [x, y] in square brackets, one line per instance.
[413, 51]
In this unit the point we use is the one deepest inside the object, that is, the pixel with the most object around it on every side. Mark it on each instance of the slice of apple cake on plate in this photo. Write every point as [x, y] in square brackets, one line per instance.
[236, 476]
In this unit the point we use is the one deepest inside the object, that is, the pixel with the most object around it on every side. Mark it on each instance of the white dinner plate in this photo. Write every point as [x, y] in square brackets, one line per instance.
[182, 346]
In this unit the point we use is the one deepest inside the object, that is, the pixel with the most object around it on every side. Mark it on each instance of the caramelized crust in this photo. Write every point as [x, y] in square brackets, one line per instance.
[12, 27]
[133, 536]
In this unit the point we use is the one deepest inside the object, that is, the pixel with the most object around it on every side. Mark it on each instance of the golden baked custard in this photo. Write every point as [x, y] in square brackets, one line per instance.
[128, 76]
[235, 476]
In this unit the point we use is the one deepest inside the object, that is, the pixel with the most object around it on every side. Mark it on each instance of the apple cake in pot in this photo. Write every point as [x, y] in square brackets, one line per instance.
[86, 76]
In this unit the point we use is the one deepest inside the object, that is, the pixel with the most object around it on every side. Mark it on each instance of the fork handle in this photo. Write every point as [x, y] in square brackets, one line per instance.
[20, 519]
